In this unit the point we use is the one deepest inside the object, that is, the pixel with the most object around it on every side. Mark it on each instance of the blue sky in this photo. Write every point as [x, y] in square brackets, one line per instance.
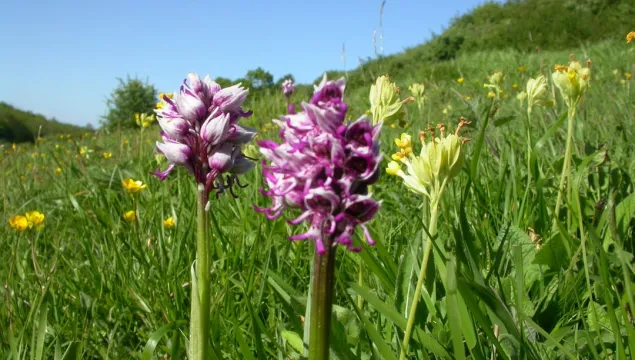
[61, 58]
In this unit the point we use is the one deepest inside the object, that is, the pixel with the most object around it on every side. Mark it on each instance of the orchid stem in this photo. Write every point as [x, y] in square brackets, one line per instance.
[432, 230]
[202, 290]
[322, 302]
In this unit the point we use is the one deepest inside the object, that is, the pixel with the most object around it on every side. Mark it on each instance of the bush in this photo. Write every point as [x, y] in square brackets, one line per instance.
[130, 97]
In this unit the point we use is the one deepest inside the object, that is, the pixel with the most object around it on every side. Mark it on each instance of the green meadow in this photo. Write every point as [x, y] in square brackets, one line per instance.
[509, 278]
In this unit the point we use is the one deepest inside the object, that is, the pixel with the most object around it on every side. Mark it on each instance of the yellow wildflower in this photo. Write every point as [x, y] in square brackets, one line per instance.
[514, 86]
[404, 142]
[107, 155]
[521, 69]
[440, 160]
[18, 223]
[133, 186]
[125, 142]
[572, 80]
[169, 222]
[628, 76]
[34, 218]
[460, 80]
[130, 216]
[14, 146]
[58, 171]
[491, 94]
[385, 103]
[630, 37]
[496, 78]
[467, 98]
[537, 93]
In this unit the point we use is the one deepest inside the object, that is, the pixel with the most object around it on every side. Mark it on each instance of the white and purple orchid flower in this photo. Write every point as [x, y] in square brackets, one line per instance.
[324, 167]
[201, 132]
[288, 88]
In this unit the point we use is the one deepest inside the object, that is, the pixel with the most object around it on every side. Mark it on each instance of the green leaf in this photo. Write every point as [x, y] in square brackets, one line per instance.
[156, 336]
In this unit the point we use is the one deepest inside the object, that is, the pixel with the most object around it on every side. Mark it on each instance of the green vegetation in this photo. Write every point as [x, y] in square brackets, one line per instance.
[502, 279]
[21, 126]
[131, 97]
[509, 278]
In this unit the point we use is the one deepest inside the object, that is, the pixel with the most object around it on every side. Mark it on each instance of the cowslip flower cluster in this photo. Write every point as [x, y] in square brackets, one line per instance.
[323, 167]
[572, 80]
[440, 160]
[32, 219]
[386, 105]
[288, 88]
[418, 93]
[537, 93]
[201, 132]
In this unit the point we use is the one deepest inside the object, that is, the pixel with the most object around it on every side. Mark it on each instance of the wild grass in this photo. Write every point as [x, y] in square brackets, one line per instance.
[503, 283]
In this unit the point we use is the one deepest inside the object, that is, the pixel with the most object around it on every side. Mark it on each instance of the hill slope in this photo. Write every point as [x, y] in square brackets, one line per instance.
[524, 26]
[20, 126]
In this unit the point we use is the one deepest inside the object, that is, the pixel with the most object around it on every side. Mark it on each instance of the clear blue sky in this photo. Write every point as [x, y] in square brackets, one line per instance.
[61, 58]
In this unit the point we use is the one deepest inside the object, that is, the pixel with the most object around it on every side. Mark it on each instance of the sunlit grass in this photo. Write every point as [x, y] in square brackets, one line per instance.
[93, 283]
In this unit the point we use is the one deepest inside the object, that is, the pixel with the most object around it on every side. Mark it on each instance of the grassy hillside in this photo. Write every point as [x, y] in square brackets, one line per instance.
[106, 288]
[17, 125]
[522, 26]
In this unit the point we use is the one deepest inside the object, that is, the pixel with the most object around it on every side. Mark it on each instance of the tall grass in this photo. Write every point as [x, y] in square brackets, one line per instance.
[502, 283]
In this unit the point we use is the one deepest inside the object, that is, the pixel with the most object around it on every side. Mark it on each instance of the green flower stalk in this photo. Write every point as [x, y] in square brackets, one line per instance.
[143, 121]
[573, 81]
[428, 174]
[385, 104]
[536, 94]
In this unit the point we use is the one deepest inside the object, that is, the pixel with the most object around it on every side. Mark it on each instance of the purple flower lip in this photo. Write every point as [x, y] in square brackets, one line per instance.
[201, 132]
[323, 167]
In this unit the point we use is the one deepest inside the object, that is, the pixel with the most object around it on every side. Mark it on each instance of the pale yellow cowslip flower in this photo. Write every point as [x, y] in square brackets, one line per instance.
[495, 81]
[133, 186]
[169, 222]
[572, 80]
[18, 223]
[418, 93]
[460, 80]
[537, 92]
[130, 216]
[439, 161]
[496, 78]
[385, 103]
[521, 96]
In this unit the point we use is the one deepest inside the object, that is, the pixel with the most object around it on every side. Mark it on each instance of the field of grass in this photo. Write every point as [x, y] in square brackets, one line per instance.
[509, 279]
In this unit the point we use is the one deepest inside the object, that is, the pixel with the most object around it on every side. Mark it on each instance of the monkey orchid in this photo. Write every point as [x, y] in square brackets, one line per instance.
[323, 167]
[201, 134]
